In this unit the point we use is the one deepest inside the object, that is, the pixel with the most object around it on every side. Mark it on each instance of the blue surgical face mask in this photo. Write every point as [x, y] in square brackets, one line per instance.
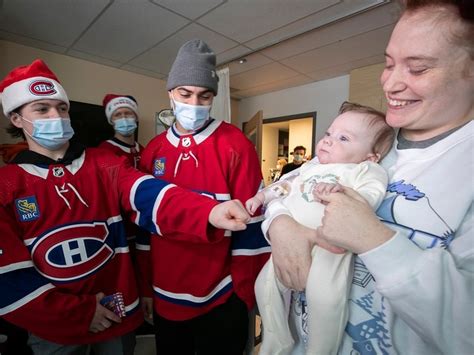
[297, 157]
[51, 133]
[190, 117]
[126, 126]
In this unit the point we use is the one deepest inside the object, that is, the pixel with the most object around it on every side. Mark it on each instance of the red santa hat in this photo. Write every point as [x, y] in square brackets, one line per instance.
[30, 83]
[113, 102]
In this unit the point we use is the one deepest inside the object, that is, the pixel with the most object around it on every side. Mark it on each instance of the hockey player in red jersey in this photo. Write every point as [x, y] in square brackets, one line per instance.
[122, 113]
[202, 292]
[63, 245]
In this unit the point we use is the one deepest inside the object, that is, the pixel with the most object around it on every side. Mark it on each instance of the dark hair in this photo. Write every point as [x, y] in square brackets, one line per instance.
[460, 13]
[12, 130]
[385, 135]
[299, 147]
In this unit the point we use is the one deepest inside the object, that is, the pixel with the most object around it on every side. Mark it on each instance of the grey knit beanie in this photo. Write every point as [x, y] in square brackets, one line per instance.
[195, 65]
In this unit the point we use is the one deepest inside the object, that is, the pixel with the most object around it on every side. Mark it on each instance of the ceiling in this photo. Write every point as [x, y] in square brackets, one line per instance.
[286, 43]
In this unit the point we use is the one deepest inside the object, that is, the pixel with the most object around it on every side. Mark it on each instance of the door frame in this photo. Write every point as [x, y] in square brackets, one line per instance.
[312, 114]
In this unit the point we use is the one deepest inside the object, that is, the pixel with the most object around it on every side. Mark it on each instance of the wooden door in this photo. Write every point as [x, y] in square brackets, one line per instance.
[253, 130]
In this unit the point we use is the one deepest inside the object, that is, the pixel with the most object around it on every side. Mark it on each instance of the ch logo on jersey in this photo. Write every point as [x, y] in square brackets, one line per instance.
[159, 167]
[27, 208]
[72, 252]
[42, 88]
[58, 172]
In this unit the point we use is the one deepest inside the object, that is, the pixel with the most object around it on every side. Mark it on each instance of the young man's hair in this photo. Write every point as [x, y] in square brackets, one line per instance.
[385, 135]
[12, 130]
[299, 147]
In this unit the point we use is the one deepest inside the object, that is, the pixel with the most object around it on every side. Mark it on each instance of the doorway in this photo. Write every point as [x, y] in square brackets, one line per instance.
[280, 135]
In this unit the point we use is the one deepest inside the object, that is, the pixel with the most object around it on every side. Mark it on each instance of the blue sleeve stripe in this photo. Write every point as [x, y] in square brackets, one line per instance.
[20, 287]
[133, 193]
[249, 239]
[16, 266]
[145, 197]
[28, 298]
[156, 206]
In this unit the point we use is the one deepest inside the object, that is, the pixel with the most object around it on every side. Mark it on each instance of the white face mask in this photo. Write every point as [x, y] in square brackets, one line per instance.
[126, 126]
[297, 158]
[190, 117]
[51, 133]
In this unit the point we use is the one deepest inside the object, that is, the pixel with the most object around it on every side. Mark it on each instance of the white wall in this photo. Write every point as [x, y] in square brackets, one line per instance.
[89, 82]
[325, 97]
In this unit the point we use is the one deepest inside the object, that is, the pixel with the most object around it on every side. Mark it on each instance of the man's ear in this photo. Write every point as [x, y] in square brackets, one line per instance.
[373, 157]
[16, 120]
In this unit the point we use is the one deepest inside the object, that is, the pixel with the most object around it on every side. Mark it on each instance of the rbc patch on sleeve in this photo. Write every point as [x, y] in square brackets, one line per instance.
[159, 167]
[27, 208]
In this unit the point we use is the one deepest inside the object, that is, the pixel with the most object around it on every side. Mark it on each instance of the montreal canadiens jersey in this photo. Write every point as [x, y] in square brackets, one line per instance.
[63, 239]
[190, 278]
[132, 153]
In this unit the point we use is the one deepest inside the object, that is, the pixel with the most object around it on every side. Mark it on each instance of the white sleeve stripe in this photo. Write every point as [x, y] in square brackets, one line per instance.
[30, 297]
[142, 247]
[222, 197]
[133, 192]
[122, 250]
[157, 206]
[256, 219]
[188, 297]
[114, 219]
[251, 252]
[131, 306]
[16, 266]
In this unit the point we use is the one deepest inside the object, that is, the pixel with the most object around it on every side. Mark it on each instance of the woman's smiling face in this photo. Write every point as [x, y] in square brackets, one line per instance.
[428, 79]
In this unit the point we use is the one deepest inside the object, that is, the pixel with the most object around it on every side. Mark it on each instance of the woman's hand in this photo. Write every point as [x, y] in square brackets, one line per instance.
[291, 250]
[350, 223]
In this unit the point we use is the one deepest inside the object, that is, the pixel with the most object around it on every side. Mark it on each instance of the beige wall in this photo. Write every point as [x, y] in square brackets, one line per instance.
[269, 151]
[88, 82]
[234, 113]
[365, 87]
[300, 134]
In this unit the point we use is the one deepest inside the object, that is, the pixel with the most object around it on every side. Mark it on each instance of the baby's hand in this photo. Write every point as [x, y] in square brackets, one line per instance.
[324, 188]
[252, 204]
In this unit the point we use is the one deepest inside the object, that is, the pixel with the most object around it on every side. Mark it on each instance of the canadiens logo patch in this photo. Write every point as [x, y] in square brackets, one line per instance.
[159, 167]
[42, 88]
[27, 208]
[72, 252]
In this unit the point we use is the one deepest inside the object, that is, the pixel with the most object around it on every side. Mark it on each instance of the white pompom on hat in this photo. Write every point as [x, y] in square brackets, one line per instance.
[112, 102]
[30, 83]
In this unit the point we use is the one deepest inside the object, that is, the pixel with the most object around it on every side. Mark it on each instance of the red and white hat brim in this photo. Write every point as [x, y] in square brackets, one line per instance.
[32, 89]
[117, 103]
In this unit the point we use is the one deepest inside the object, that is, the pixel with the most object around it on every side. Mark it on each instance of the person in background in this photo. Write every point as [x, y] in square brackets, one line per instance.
[63, 249]
[412, 290]
[298, 159]
[202, 291]
[347, 156]
[122, 113]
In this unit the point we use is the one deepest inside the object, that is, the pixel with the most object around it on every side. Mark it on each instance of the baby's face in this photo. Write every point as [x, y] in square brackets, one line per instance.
[349, 139]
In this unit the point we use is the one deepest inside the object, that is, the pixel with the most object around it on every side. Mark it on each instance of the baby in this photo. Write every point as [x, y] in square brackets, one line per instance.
[347, 156]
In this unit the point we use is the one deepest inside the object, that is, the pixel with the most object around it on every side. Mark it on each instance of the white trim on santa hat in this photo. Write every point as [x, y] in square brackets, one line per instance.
[118, 102]
[29, 90]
